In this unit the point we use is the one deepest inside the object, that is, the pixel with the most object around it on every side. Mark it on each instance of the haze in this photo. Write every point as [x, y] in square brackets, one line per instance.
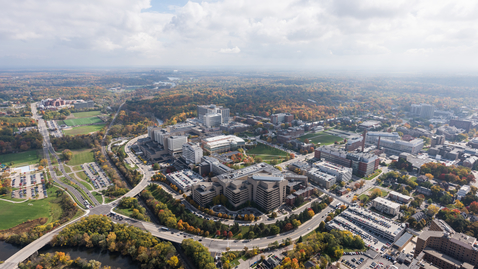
[403, 36]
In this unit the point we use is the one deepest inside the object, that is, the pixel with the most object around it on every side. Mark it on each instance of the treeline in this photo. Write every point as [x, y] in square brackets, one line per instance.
[198, 253]
[133, 176]
[55, 114]
[455, 219]
[17, 122]
[100, 231]
[77, 141]
[60, 260]
[119, 186]
[5, 184]
[138, 212]
[330, 245]
[130, 123]
[454, 174]
[68, 211]
[19, 142]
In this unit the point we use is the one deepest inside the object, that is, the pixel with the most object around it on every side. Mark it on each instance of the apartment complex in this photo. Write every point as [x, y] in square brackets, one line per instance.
[260, 183]
[323, 179]
[446, 248]
[386, 206]
[396, 196]
[340, 172]
[192, 153]
[222, 143]
[367, 222]
[362, 164]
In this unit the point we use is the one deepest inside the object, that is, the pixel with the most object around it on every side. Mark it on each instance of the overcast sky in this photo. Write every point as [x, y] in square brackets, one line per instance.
[422, 35]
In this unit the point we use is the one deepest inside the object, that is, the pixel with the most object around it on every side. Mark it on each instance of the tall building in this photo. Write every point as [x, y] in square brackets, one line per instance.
[437, 140]
[212, 120]
[192, 153]
[175, 143]
[204, 110]
[281, 118]
[425, 111]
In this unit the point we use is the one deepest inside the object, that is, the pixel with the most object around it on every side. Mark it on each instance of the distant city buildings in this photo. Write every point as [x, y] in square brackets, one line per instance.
[425, 111]
[282, 118]
[58, 103]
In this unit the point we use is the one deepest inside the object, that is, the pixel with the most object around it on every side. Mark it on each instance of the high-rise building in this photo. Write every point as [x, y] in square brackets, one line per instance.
[192, 153]
[175, 143]
[425, 111]
[204, 110]
[212, 120]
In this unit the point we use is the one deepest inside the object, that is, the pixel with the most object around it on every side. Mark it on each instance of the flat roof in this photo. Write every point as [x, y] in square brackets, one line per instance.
[403, 240]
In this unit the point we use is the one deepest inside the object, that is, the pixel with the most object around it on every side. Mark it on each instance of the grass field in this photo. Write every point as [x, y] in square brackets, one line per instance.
[266, 150]
[84, 129]
[88, 186]
[322, 138]
[82, 121]
[14, 214]
[81, 156]
[86, 114]
[21, 158]
[98, 196]
[83, 176]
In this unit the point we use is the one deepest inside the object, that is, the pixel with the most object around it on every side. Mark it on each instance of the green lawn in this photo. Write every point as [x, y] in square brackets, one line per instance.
[84, 129]
[82, 121]
[108, 200]
[124, 211]
[81, 156]
[266, 152]
[86, 114]
[21, 158]
[14, 214]
[83, 176]
[67, 169]
[88, 186]
[98, 196]
[77, 168]
[322, 138]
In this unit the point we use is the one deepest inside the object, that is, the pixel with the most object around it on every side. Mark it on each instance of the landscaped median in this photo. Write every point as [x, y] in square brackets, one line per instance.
[69, 182]
[374, 175]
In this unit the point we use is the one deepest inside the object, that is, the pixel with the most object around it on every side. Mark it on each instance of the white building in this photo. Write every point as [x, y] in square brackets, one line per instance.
[212, 120]
[184, 179]
[192, 153]
[372, 137]
[464, 190]
[204, 110]
[341, 173]
[175, 143]
[396, 147]
[386, 206]
[323, 179]
[222, 143]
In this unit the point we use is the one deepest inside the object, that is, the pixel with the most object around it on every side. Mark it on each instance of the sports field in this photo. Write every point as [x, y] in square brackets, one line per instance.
[21, 158]
[84, 129]
[322, 138]
[81, 156]
[86, 114]
[82, 121]
[14, 214]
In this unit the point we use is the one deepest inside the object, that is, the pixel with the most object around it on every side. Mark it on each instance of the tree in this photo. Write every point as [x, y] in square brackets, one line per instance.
[288, 227]
[156, 166]
[433, 209]
[67, 154]
[229, 234]
[322, 226]
[376, 193]
[474, 207]
[275, 230]
[173, 261]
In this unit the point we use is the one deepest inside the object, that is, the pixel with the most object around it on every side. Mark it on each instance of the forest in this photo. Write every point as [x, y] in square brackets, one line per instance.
[98, 231]
[59, 260]
[10, 142]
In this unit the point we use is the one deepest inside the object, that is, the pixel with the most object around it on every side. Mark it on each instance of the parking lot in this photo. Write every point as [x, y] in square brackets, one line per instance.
[54, 128]
[29, 185]
[97, 176]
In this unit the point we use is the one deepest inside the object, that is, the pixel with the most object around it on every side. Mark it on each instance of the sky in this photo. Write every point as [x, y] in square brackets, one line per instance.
[397, 36]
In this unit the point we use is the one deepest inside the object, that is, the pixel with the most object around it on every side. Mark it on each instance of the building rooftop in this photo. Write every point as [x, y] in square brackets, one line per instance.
[403, 240]
[386, 202]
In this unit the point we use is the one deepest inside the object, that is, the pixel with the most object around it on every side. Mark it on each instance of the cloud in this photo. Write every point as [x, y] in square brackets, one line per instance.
[233, 50]
[338, 33]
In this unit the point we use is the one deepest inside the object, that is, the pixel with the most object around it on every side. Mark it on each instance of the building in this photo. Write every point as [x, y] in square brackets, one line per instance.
[204, 192]
[362, 164]
[184, 179]
[425, 111]
[366, 222]
[354, 143]
[210, 164]
[445, 248]
[424, 191]
[323, 179]
[222, 143]
[260, 183]
[212, 120]
[81, 104]
[462, 124]
[303, 192]
[175, 143]
[374, 137]
[463, 191]
[235, 127]
[386, 206]
[473, 143]
[416, 132]
[218, 111]
[403, 241]
[450, 132]
[192, 153]
[340, 172]
[369, 125]
[393, 195]
[282, 118]
[396, 147]
[470, 161]
[437, 140]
